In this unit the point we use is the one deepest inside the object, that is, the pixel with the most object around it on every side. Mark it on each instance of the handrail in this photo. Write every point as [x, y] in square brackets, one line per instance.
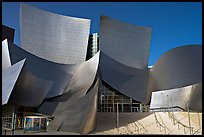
[163, 123]
[8, 124]
[138, 129]
[174, 118]
[196, 131]
[157, 121]
[167, 108]
[142, 126]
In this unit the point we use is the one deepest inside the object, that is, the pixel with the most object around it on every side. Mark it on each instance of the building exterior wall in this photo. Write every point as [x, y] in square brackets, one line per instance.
[128, 44]
[57, 38]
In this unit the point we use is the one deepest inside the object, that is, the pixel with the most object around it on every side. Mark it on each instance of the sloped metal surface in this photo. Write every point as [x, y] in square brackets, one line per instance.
[76, 114]
[9, 78]
[6, 62]
[29, 90]
[130, 81]
[43, 69]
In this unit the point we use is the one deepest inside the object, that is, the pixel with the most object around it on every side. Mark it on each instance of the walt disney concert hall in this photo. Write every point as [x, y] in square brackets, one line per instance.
[49, 74]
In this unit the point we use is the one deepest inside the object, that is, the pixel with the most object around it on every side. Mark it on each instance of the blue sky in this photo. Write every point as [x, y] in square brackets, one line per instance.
[173, 23]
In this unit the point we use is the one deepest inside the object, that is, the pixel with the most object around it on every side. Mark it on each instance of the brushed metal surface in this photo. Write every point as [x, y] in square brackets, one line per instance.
[130, 81]
[171, 98]
[9, 78]
[29, 90]
[6, 61]
[42, 69]
[189, 96]
[126, 43]
[76, 114]
[75, 111]
[195, 99]
[57, 38]
[179, 67]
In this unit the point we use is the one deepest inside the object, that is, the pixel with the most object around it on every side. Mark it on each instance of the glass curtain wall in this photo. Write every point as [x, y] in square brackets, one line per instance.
[108, 98]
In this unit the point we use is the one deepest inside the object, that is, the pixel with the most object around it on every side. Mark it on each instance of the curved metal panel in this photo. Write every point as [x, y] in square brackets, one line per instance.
[127, 80]
[9, 78]
[189, 96]
[195, 101]
[75, 111]
[77, 114]
[171, 98]
[29, 90]
[57, 38]
[179, 67]
[128, 44]
[43, 69]
[84, 74]
[6, 62]
[81, 113]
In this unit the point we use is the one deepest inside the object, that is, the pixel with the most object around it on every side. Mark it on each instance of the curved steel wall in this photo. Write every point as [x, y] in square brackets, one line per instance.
[71, 88]
[42, 69]
[177, 68]
[64, 78]
[171, 98]
[127, 80]
[76, 114]
[189, 96]
[29, 90]
[57, 38]
[128, 44]
[195, 99]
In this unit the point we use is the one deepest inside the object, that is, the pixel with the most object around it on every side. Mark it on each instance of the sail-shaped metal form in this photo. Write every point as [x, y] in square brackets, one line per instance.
[177, 68]
[177, 75]
[126, 43]
[130, 81]
[9, 78]
[124, 57]
[42, 82]
[57, 38]
[75, 111]
[6, 61]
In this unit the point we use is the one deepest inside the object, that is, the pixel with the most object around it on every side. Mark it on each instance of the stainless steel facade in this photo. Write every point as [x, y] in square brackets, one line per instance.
[189, 97]
[195, 99]
[178, 74]
[129, 41]
[76, 114]
[124, 57]
[130, 81]
[177, 68]
[57, 38]
[9, 79]
[6, 61]
[171, 98]
[49, 70]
